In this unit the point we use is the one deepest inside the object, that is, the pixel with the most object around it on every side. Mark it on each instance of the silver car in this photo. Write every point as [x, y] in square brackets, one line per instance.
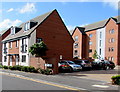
[73, 66]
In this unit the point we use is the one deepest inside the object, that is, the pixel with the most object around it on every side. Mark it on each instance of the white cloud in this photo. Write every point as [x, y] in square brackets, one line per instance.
[8, 23]
[29, 7]
[70, 27]
[82, 25]
[10, 10]
[111, 3]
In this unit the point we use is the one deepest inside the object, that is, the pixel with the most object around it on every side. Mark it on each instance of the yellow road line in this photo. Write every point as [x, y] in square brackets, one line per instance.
[56, 85]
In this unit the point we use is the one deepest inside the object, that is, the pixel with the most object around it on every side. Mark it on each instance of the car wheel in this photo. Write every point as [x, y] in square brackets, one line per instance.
[71, 69]
[105, 67]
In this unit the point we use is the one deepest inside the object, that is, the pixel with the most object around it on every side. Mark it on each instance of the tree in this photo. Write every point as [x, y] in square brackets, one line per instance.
[95, 55]
[38, 49]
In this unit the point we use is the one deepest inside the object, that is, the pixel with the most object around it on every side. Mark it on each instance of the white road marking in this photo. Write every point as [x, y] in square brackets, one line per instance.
[100, 86]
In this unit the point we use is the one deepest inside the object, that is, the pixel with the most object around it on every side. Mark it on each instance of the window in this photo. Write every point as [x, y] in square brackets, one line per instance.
[5, 58]
[39, 40]
[76, 38]
[10, 58]
[17, 58]
[24, 46]
[100, 52]
[5, 48]
[12, 30]
[100, 35]
[90, 50]
[27, 26]
[23, 58]
[100, 43]
[17, 43]
[111, 31]
[90, 43]
[75, 52]
[112, 49]
[10, 45]
[109, 58]
[112, 58]
[112, 40]
[75, 45]
[109, 49]
[90, 35]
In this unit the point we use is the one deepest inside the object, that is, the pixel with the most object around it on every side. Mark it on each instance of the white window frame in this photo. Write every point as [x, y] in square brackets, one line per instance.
[10, 45]
[27, 26]
[76, 38]
[90, 35]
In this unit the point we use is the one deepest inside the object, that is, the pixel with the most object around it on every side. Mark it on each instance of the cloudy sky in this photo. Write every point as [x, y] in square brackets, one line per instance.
[77, 13]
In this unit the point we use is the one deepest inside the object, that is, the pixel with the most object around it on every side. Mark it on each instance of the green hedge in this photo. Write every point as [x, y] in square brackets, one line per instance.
[1, 66]
[29, 69]
[45, 71]
[116, 79]
[5, 67]
[21, 68]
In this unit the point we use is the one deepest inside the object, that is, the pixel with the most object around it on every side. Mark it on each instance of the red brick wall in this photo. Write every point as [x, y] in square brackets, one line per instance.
[111, 25]
[14, 49]
[37, 62]
[57, 38]
[93, 40]
[118, 56]
[79, 49]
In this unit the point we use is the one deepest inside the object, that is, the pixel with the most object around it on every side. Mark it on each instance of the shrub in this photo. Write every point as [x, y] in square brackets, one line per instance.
[10, 67]
[25, 68]
[1, 66]
[19, 68]
[48, 71]
[5, 67]
[45, 71]
[31, 69]
[116, 79]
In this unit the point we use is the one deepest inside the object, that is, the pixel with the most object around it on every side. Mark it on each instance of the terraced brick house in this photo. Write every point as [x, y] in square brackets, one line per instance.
[49, 28]
[103, 36]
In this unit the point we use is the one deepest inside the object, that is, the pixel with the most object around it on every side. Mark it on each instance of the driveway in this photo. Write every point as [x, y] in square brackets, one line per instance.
[102, 75]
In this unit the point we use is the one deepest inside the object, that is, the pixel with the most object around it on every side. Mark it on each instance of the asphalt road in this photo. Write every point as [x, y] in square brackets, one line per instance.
[16, 83]
[53, 82]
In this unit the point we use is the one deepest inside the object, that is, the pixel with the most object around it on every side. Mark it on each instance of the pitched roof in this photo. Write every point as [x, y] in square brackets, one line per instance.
[100, 24]
[95, 25]
[2, 32]
[23, 33]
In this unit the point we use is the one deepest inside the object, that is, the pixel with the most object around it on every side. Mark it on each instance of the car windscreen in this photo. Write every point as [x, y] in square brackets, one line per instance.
[86, 61]
[70, 62]
[77, 62]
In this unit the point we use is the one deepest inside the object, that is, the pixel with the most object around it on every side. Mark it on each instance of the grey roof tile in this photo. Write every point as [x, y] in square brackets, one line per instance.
[21, 33]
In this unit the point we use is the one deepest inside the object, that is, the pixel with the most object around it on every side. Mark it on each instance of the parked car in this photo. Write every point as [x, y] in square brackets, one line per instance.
[108, 64]
[84, 63]
[103, 64]
[66, 65]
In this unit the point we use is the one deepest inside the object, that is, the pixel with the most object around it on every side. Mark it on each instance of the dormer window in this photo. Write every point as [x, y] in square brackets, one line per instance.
[27, 26]
[12, 30]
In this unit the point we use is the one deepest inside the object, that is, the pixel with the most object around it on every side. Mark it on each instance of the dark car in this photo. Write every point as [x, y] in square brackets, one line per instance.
[68, 66]
[108, 64]
[86, 65]
[103, 64]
